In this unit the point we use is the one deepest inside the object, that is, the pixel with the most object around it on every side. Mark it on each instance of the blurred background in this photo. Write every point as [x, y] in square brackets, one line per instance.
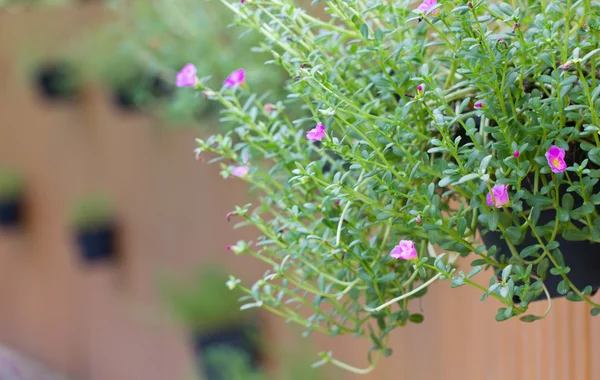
[112, 235]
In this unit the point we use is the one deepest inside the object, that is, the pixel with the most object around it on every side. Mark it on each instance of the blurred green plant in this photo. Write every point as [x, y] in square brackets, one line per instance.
[11, 184]
[92, 211]
[203, 301]
[148, 42]
[235, 365]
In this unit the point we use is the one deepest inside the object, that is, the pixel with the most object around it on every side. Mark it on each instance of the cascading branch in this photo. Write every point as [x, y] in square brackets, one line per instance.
[416, 126]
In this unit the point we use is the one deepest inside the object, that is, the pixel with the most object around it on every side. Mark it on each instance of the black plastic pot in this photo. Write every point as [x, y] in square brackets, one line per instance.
[583, 257]
[241, 338]
[56, 81]
[11, 212]
[97, 244]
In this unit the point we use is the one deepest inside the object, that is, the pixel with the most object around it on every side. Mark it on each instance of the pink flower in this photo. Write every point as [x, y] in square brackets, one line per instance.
[478, 105]
[498, 197]
[405, 250]
[240, 171]
[556, 159]
[228, 247]
[420, 88]
[270, 107]
[187, 76]
[317, 133]
[516, 154]
[235, 79]
[427, 5]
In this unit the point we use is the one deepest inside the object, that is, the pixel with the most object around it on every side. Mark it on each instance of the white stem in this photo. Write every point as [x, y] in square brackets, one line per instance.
[405, 295]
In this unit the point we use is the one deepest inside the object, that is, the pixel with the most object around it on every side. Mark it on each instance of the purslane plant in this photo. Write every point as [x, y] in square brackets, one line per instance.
[424, 124]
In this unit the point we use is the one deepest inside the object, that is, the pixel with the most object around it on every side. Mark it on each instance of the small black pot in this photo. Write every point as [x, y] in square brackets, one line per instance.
[583, 257]
[241, 338]
[97, 244]
[56, 81]
[11, 212]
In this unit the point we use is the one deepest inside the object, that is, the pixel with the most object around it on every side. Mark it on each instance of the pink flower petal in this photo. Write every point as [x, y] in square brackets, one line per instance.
[187, 76]
[317, 133]
[240, 171]
[235, 79]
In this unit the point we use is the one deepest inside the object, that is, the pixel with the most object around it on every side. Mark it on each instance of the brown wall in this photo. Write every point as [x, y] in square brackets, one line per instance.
[107, 323]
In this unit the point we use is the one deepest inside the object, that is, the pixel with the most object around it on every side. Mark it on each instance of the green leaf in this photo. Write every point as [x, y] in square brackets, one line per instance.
[461, 226]
[387, 278]
[563, 287]
[595, 311]
[594, 156]
[539, 201]
[364, 30]
[474, 271]
[378, 35]
[467, 178]
[542, 268]
[493, 220]
[513, 233]
[457, 281]
[529, 318]
[568, 201]
[484, 163]
[506, 272]
[528, 251]
[574, 234]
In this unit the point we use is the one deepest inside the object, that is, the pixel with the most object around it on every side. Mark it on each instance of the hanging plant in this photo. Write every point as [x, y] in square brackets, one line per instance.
[427, 125]
[95, 229]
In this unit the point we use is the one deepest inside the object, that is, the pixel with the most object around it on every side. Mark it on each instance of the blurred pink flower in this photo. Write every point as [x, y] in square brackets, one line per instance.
[427, 5]
[498, 197]
[317, 133]
[556, 159]
[478, 105]
[420, 87]
[516, 154]
[235, 79]
[405, 250]
[240, 171]
[270, 107]
[187, 76]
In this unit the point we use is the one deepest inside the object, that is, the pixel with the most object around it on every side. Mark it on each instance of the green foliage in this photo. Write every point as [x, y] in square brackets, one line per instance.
[151, 39]
[235, 365]
[11, 184]
[204, 300]
[92, 211]
[423, 115]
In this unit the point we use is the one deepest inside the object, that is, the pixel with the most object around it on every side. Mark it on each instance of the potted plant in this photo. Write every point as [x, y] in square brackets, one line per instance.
[436, 123]
[212, 313]
[11, 198]
[95, 229]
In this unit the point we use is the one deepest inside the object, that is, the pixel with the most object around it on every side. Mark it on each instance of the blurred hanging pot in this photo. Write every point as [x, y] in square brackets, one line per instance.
[242, 338]
[212, 313]
[95, 230]
[11, 199]
[57, 81]
[135, 93]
